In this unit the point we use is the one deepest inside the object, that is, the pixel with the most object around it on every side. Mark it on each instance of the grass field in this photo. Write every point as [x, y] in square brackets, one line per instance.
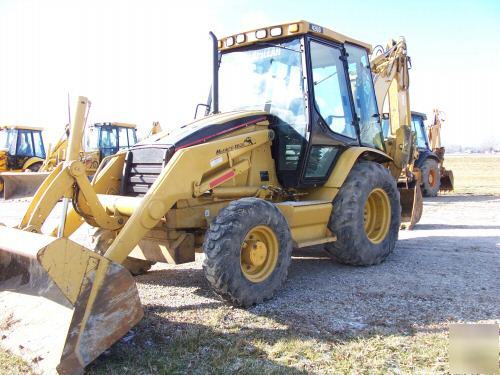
[475, 174]
[187, 330]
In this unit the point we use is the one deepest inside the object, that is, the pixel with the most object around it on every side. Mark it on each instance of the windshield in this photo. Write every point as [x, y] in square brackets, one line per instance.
[419, 129]
[7, 136]
[268, 78]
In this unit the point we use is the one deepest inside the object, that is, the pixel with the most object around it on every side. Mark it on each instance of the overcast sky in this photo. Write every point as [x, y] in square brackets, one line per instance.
[145, 61]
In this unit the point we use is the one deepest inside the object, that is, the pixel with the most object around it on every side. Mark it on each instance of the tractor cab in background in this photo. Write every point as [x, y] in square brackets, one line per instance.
[21, 148]
[429, 163]
[106, 139]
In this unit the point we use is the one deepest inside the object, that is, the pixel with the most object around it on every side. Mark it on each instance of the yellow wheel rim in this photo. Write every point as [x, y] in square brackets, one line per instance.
[259, 253]
[377, 215]
[432, 178]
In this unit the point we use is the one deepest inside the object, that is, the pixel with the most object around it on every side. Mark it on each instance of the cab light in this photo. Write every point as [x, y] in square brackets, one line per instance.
[276, 31]
[229, 41]
[261, 34]
[240, 38]
[293, 28]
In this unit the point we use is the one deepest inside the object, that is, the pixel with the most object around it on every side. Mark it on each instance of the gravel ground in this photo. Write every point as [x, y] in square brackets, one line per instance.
[444, 271]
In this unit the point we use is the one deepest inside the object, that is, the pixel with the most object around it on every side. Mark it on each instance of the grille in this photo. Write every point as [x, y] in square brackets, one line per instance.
[142, 168]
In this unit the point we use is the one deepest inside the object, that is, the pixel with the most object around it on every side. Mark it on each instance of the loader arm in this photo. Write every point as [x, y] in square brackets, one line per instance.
[56, 153]
[188, 174]
[391, 81]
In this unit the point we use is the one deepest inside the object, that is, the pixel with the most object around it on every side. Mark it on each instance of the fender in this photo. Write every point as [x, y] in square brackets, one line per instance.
[28, 163]
[343, 167]
[423, 156]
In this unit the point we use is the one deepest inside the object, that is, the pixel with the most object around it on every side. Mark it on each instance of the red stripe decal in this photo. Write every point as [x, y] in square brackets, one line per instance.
[201, 140]
[226, 176]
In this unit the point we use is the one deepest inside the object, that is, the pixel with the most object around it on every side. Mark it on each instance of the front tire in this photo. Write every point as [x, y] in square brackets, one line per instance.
[366, 216]
[430, 178]
[248, 251]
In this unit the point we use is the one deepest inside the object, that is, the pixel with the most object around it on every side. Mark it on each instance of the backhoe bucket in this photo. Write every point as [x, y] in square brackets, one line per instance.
[411, 206]
[62, 304]
[21, 184]
[447, 181]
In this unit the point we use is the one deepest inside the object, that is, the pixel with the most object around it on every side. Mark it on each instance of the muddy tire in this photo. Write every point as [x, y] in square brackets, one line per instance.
[366, 216]
[34, 167]
[431, 181]
[100, 241]
[248, 250]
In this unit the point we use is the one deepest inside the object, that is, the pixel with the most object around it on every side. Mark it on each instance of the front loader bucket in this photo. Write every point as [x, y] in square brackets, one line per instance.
[62, 304]
[411, 206]
[21, 184]
[447, 181]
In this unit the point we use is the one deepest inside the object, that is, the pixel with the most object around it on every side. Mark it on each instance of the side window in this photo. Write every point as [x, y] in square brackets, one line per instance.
[330, 89]
[418, 128]
[320, 159]
[25, 143]
[122, 138]
[38, 145]
[363, 94]
[386, 126]
[132, 137]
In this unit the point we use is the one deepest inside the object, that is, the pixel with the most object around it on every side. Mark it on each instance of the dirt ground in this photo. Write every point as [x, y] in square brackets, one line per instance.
[329, 318]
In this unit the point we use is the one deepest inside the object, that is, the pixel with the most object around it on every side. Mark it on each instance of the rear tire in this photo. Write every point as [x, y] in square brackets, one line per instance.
[248, 250]
[431, 181]
[101, 240]
[366, 216]
[34, 167]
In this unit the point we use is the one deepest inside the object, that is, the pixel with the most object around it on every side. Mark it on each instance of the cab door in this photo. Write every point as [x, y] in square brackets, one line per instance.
[108, 140]
[332, 124]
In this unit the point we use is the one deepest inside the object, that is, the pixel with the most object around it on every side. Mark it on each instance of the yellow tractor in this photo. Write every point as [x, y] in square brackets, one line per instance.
[21, 149]
[289, 155]
[101, 140]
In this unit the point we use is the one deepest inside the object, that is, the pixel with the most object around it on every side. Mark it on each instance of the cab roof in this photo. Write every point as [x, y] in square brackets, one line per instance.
[21, 127]
[268, 33]
[121, 124]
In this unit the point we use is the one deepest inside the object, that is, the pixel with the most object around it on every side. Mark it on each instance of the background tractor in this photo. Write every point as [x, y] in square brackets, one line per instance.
[101, 140]
[427, 165]
[446, 181]
[21, 149]
[290, 155]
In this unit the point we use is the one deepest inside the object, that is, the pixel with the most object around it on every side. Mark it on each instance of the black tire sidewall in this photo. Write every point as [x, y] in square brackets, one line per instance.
[427, 166]
[347, 220]
[35, 167]
[222, 249]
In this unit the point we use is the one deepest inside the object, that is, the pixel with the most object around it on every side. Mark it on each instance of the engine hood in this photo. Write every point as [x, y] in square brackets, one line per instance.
[203, 130]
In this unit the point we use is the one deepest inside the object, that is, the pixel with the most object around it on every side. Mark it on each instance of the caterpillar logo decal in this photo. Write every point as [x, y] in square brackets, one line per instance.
[247, 142]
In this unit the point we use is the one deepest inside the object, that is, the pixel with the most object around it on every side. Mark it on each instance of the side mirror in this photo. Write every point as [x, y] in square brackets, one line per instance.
[207, 109]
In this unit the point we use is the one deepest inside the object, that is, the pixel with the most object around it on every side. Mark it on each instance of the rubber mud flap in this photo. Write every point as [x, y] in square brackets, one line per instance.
[62, 304]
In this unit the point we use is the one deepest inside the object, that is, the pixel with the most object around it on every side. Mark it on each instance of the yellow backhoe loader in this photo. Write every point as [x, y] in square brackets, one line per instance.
[101, 140]
[290, 155]
[21, 149]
